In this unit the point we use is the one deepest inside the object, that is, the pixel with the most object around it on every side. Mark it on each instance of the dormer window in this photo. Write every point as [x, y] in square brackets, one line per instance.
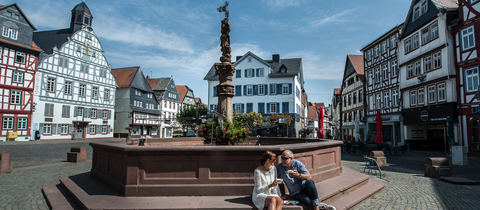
[10, 33]
[420, 9]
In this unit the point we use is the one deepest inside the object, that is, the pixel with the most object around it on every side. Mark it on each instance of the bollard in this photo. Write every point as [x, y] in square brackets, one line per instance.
[77, 154]
[5, 162]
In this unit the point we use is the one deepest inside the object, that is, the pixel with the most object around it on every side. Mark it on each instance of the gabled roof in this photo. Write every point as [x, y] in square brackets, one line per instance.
[312, 113]
[198, 100]
[47, 40]
[336, 91]
[20, 10]
[357, 62]
[82, 7]
[159, 83]
[254, 56]
[182, 91]
[124, 76]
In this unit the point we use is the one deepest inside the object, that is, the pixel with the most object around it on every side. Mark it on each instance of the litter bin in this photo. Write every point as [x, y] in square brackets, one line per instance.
[459, 155]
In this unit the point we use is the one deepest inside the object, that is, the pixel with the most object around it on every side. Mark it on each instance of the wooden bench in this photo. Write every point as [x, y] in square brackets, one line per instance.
[77, 154]
[437, 167]
[5, 162]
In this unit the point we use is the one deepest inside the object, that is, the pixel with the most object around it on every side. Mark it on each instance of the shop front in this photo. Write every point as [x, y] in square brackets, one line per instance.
[391, 129]
[425, 128]
[470, 123]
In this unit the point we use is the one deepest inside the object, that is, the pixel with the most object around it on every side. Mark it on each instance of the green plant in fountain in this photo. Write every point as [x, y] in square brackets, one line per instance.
[230, 134]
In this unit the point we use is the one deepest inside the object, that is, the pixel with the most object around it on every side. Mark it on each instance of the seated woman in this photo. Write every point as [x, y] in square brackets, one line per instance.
[266, 193]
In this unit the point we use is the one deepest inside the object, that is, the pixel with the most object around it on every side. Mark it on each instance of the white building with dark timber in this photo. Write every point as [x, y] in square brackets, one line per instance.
[74, 86]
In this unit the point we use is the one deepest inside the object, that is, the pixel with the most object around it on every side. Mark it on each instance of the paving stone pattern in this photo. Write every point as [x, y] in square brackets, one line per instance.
[21, 189]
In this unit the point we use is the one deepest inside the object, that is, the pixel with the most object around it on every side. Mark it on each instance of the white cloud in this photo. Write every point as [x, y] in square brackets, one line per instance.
[48, 20]
[318, 67]
[338, 17]
[284, 3]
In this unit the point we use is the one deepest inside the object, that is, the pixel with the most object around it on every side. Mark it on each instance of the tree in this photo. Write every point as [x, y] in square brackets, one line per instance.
[189, 115]
[251, 119]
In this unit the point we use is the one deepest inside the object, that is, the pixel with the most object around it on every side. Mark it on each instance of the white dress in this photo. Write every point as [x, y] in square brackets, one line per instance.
[261, 190]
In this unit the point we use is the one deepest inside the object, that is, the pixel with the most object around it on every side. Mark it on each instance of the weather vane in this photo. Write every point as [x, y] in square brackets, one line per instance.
[224, 9]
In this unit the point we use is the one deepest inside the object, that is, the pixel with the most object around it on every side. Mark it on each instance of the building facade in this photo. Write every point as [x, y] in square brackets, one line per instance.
[169, 101]
[18, 64]
[265, 87]
[427, 73]
[186, 95]
[352, 96]
[382, 90]
[74, 87]
[466, 37]
[336, 117]
[136, 105]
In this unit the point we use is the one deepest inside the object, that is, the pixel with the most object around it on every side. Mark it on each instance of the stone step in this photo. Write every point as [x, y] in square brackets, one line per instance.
[57, 198]
[335, 187]
[359, 194]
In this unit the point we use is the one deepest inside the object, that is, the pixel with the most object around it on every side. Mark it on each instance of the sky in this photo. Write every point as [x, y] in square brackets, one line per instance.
[181, 38]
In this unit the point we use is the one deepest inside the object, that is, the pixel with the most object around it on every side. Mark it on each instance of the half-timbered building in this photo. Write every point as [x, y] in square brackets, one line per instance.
[186, 95]
[74, 87]
[18, 64]
[169, 102]
[382, 90]
[352, 96]
[427, 73]
[467, 55]
[336, 113]
[136, 106]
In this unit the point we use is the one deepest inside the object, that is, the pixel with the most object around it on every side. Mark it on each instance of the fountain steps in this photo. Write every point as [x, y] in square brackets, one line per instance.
[84, 192]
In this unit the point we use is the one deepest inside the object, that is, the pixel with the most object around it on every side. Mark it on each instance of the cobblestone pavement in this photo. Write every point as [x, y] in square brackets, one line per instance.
[22, 188]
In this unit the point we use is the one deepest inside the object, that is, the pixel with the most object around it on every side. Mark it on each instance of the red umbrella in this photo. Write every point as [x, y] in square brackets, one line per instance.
[379, 138]
[320, 132]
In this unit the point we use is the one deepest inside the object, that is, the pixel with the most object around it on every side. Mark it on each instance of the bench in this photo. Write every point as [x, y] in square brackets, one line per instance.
[379, 157]
[77, 154]
[437, 167]
[5, 162]
[371, 164]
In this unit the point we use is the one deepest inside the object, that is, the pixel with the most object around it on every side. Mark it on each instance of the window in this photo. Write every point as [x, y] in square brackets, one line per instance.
[104, 128]
[51, 85]
[249, 73]
[472, 79]
[385, 72]
[421, 96]
[378, 102]
[393, 42]
[285, 89]
[413, 97]
[261, 89]
[434, 31]
[408, 45]
[95, 92]
[249, 90]
[20, 57]
[441, 92]
[431, 94]
[424, 7]
[17, 77]
[48, 109]
[15, 97]
[386, 99]
[47, 128]
[68, 87]
[418, 67]
[437, 60]
[384, 46]
[416, 12]
[65, 111]
[394, 69]
[238, 108]
[8, 123]
[468, 38]
[370, 79]
[260, 72]
[84, 68]
[107, 95]
[354, 97]
[369, 55]
[395, 97]
[375, 51]
[273, 107]
[410, 71]
[416, 42]
[105, 114]
[81, 90]
[10, 33]
[93, 113]
[22, 123]
[428, 63]
[377, 75]
[360, 95]
[80, 111]
[92, 129]
[425, 36]
[64, 129]
[238, 73]
[419, 9]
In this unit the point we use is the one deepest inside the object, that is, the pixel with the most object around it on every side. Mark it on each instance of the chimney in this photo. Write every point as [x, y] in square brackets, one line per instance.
[238, 57]
[148, 77]
[276, 58]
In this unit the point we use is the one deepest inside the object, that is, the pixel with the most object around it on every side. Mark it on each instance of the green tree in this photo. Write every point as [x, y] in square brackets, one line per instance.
[251, 119]
[189, 115]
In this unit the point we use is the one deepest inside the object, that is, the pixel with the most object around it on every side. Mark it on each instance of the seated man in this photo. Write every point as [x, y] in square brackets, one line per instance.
[299, 181]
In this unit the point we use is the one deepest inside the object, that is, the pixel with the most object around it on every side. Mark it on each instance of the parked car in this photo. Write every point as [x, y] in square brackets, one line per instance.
[178, 133]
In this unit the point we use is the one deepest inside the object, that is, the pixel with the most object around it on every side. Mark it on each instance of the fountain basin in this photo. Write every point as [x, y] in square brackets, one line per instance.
[203, 170]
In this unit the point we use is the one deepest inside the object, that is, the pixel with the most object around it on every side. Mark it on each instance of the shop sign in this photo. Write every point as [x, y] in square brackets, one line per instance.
[475, 110]
[438, 119]
[424, 115]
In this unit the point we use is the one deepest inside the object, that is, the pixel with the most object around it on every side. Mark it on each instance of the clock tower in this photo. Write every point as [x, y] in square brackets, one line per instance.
[81, 17]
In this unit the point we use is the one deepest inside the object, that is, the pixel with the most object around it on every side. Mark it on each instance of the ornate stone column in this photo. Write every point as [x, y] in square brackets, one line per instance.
[225, 70]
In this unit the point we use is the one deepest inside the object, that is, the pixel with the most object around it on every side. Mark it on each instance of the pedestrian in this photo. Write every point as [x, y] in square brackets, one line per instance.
[368, 136]
[37, 135]
[299, 181]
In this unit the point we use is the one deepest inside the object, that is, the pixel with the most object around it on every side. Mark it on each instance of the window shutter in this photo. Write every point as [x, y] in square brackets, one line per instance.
[87, 112]
[211, 106]
[59, 128]
[100, 113]
[255, 90]
[109, 114]
[40, 129]
[260, 108]
[99, 129]
[238, 90]
[244, 90]
[75, 109]
[278, 107]
[243, 108]
[239, 73]
[108, 130]
[271, 88]
[246, 72]
[54, 129]
[266, 89]
[268, 108]
[258, 72]
[70, 129]
[279, 88]
[290, 88]
[214, 91]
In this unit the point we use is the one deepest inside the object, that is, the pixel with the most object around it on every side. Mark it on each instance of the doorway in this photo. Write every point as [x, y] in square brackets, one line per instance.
[79, 133]
[436, 137]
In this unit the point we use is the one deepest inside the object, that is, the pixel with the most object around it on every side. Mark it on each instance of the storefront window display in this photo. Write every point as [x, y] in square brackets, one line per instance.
[136, 130]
